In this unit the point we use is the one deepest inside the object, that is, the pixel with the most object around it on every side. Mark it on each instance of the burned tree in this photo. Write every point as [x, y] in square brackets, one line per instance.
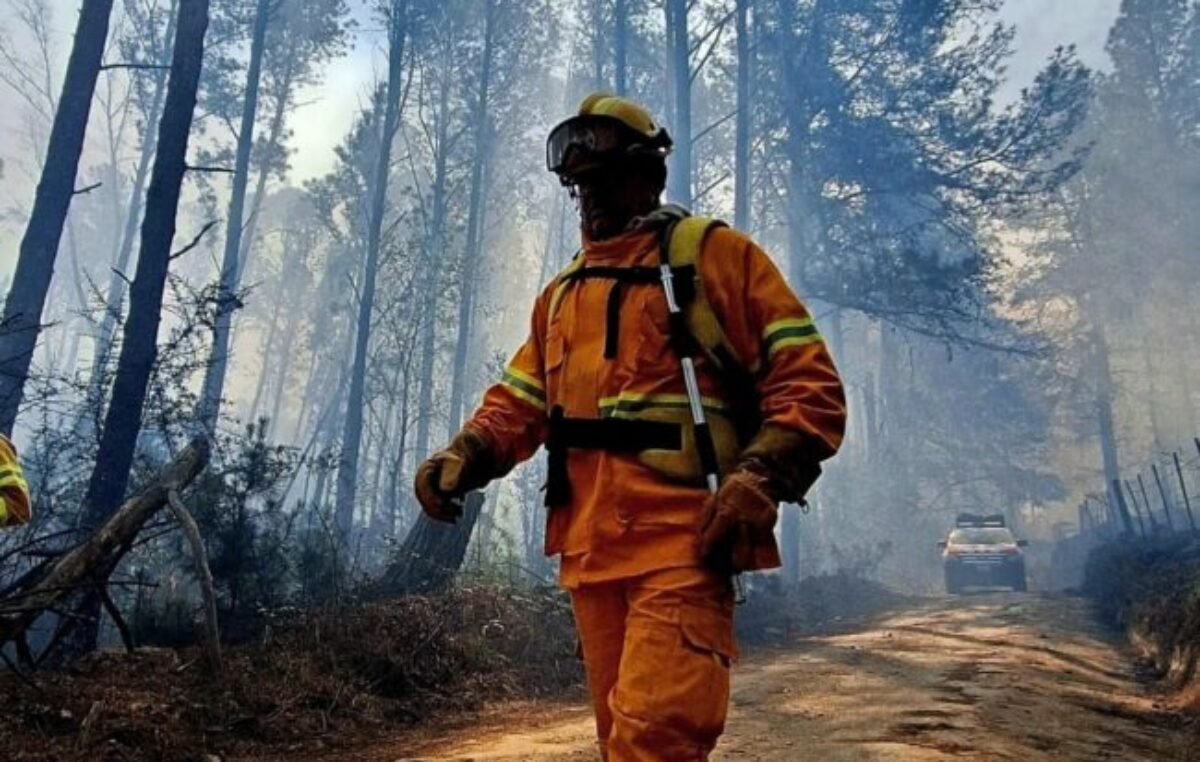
[20, 325]
[214, 379]
[139, 348]
[347, 480]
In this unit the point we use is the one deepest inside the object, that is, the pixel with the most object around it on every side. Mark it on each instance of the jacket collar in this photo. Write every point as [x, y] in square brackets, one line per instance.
[637, 237]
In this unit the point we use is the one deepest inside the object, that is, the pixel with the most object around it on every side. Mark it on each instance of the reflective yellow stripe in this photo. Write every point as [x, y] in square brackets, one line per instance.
[12, 477]
[520, 393]
[790, 332]
[784, 324]
[629, 404]
[3, 511]
[524, 378]
[14, 481]
[797, 341]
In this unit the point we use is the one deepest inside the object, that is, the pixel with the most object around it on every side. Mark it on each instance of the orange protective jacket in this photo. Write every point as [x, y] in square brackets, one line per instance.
[623, 518]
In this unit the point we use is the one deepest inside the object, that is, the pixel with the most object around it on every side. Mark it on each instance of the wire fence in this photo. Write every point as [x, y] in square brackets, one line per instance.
[1161, 498]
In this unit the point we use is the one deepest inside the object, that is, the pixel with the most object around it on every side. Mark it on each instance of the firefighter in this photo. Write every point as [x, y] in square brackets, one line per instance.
[14, 492]
[647, 549]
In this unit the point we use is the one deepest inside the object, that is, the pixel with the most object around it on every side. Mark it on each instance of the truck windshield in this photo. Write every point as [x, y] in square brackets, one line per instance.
[981, 536]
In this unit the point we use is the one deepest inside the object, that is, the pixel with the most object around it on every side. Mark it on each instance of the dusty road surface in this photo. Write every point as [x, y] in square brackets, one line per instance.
[989, 676]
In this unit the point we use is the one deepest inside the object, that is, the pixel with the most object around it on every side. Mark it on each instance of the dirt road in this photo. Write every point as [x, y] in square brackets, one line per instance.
[992, 676]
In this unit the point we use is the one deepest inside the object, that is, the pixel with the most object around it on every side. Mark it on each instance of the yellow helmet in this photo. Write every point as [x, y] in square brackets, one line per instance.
[606, 126]
[631, 113]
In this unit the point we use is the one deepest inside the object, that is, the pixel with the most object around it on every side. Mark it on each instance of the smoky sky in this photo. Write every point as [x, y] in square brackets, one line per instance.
[327, 110]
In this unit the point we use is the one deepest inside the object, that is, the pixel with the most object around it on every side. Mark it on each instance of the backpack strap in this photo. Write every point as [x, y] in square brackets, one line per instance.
[683, 242]
[561, 281]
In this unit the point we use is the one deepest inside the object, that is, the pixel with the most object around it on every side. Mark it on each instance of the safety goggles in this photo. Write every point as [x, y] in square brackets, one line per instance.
[593, 135]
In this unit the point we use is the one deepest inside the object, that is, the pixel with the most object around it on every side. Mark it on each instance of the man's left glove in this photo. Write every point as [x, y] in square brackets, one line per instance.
[467, 463]
[737, 521]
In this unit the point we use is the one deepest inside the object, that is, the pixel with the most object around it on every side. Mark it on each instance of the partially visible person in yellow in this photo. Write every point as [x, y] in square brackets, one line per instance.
[647, 551]
[14, 492]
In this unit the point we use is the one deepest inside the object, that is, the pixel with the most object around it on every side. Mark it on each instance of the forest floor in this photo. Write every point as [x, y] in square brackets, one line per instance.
[985, 676]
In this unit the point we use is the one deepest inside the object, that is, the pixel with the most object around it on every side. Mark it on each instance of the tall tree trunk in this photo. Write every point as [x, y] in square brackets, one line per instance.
[347, 480]
[668, 100]
[433, 249]
[432, 553]
[282, 369]
[1104, 418]
[598, 48]
[115, 295]
[139, 347]
[741, 150]
[80, 299]
[395, 503]
[1158, 426]
[268, 344]
[789, 541]
[274, 137]
[26, 299]
[290, 286]
[466, 286]
[382, 463]
[621, 32]
[214, 377]
[679, 180]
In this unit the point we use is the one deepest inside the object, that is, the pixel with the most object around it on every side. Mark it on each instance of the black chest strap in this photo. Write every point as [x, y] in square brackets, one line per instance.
[611, 434]
[684, 278]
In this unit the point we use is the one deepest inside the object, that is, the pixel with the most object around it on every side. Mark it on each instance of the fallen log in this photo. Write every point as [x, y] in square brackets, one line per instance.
[91, 560]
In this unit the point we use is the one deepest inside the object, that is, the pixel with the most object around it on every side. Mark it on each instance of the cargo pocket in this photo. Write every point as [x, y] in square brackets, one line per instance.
[708, 630]
[672, 693]
[707, 639]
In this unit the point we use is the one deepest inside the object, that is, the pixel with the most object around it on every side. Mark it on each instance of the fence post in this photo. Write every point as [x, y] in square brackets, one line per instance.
[1162, 493]
[1122, 508]
[1137, 509]
[1187, 501]
[1146, 502]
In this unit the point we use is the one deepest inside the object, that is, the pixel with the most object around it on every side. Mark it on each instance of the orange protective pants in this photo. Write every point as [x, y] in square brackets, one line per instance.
[657, 649]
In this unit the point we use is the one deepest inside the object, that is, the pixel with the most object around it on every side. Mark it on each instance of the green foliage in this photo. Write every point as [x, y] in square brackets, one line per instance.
[238, 505]
[1151, 589]
[897, 156]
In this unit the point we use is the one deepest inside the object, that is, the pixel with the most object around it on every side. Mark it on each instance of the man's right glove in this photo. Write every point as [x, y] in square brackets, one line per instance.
[736, 529]
[467, 463]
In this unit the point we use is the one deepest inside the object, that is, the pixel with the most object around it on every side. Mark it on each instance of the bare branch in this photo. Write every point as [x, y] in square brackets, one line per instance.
[195, 241]
[88, 189]
[107, 67]
[212, 635]
[122, 276]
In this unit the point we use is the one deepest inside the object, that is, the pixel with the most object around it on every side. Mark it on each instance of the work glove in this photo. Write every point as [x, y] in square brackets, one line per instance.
[441, 481]
[737, 519]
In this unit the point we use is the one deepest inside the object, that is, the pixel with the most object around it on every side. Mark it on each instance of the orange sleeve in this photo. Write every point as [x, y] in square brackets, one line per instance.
[774, 335]
[512, 415]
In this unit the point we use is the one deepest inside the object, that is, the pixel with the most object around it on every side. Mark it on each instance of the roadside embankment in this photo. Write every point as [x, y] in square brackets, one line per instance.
[310, 682]
[775, 614]
[1151, 590]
